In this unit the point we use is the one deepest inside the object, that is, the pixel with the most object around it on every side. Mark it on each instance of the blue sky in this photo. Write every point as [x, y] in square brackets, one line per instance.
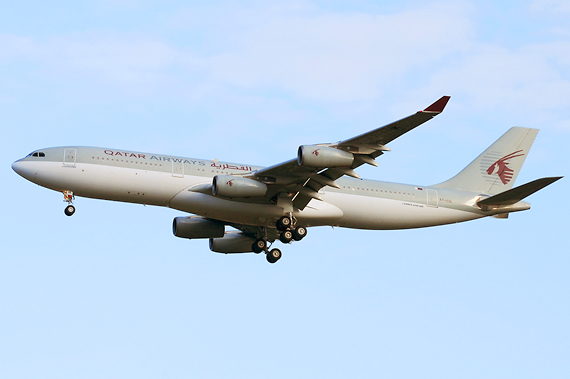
[111, 293]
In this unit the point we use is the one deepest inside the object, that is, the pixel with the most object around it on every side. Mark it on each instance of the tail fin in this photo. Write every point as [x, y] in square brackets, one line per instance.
[495, 170]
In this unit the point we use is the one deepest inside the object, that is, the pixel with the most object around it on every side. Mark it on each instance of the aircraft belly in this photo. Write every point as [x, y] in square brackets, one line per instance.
[367, 212]
[251, 213]
[225, 209]
[318, 213]
[111, 183]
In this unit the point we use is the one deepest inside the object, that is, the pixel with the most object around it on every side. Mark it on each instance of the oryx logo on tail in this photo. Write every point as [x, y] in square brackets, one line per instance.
[501, 167]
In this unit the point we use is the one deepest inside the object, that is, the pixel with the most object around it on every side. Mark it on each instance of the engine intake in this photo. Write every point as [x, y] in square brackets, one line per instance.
[235, 186]
[323, 156]
[232, 242]
[197, 227]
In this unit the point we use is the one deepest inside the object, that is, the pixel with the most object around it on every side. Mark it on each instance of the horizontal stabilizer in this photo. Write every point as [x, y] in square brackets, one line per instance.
[516, 194]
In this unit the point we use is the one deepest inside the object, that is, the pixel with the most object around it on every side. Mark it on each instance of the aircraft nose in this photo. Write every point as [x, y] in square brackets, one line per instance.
[23, 169]
[18, 167]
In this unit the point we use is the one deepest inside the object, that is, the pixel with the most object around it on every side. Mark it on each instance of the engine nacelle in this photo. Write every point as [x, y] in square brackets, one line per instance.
[235, 186]
[197, 227]
[323, 156]
[232, 242]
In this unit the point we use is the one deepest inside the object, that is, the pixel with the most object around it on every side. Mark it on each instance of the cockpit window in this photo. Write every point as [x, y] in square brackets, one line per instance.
[37, 154]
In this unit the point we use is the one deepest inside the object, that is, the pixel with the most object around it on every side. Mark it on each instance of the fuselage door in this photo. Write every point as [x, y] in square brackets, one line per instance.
[69, 157]
[177, 167]
[432, 198]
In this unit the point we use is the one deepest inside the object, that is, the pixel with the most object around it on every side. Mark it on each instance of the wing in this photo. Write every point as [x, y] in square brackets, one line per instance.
[376, 139]
[302, 178]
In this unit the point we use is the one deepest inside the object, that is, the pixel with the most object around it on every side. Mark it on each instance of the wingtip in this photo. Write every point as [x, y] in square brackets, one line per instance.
[439, 105]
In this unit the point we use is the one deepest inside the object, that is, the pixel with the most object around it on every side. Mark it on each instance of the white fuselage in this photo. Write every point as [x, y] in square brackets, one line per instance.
[182, 183]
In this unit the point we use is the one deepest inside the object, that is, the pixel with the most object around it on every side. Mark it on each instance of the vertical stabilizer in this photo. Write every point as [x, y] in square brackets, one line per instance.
[497, 168]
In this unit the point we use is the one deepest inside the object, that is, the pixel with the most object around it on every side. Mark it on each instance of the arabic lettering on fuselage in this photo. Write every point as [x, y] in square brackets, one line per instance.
[215, 164]
[227, 166]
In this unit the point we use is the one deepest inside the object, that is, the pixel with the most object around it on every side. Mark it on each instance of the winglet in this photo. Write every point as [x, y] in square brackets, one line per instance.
[438, 106]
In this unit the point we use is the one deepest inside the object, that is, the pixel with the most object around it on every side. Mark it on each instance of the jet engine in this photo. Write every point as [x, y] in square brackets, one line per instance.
[323, 156]
[235, 186]
[197, 227]
[232, 242]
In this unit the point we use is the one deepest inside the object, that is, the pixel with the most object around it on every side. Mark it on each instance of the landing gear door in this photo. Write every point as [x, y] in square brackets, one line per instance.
[69, 157]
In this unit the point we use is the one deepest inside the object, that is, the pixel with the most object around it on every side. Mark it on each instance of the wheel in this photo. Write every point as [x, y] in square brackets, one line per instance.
[286, 236]
[259, 246]
[283, 223]
[299, 233]
[69, 210]
[273, 256]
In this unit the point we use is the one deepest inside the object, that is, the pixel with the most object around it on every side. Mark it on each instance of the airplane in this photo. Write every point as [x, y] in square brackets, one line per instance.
[319, 187]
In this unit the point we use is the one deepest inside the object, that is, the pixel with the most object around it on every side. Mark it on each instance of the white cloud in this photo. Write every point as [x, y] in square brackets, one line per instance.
[128, 62]
[494, 77]
[14, 47]
[340, 57]
[551, 6]
[309, 54]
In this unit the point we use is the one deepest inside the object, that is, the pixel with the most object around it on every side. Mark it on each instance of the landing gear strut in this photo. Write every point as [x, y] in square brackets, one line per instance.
[68, 197]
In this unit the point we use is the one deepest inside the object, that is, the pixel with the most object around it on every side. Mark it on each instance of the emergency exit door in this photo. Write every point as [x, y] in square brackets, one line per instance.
[69, 157]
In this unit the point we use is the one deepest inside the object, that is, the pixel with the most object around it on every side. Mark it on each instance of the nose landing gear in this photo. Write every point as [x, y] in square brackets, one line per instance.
[68, 197]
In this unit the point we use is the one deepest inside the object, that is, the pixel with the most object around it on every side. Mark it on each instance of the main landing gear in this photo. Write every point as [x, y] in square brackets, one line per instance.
[70, 209]
[272, 255]
[286, 225]
[289, 232]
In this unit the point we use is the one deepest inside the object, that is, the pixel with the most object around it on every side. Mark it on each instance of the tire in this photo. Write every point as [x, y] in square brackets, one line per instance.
[273, 256]
[299, 233]
[283, 223]
[286, 236]
[69, 210]
[259, 246]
